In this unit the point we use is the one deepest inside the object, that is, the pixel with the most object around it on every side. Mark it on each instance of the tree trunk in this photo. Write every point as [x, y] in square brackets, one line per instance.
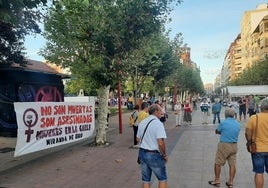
[103, 111]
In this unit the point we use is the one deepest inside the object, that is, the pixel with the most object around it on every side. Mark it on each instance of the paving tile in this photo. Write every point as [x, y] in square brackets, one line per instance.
[191, 151]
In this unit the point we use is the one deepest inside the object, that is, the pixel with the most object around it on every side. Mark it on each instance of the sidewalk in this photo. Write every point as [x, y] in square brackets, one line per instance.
[191, 151]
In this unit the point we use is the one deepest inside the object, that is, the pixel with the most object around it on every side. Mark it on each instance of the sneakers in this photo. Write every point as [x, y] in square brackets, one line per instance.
[136, 146]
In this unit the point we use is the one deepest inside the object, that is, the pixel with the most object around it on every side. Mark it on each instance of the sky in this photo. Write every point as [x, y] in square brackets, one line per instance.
[208, 27]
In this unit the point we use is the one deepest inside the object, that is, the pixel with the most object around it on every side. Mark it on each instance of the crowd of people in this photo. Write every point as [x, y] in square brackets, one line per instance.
[150, 135]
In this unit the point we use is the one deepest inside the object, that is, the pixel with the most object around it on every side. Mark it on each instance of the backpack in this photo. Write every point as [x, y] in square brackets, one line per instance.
[132, 120]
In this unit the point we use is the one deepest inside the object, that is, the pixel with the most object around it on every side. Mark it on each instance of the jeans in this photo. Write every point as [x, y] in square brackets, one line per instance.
[216, 116]
[135, 131]
[259, 162]
[152, 161]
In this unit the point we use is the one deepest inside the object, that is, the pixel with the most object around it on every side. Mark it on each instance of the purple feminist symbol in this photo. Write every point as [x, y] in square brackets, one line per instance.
[30, 117]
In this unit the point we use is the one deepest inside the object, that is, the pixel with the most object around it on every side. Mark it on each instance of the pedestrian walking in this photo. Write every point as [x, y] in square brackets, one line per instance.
[257, 102]
[152, 152]
[242, 108]
[194, 100]
[164, 116]
[134, 124]
[204, 105]
[227, 148]
[235, 106]
[187, 113]
[178, 113]
[257, 130]
[251, 106]
[216, 110]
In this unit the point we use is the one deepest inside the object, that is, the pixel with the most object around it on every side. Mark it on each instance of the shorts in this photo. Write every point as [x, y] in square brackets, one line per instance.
[242, 111]
[226, 152]
[152, 162]
[259, 162]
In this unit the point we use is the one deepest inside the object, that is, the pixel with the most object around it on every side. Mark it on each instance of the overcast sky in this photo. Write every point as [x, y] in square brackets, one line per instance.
[208, 28]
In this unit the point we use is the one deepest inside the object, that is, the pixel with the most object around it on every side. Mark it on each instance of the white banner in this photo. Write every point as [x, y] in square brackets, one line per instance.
[43, 125]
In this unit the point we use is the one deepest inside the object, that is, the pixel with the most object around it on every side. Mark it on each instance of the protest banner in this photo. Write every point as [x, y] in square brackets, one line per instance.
[43, 125]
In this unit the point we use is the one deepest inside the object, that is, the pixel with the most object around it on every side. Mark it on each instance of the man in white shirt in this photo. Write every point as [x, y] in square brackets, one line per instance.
[151, 135]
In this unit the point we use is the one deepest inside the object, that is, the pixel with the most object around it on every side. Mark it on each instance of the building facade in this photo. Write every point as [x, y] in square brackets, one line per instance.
[249, 47]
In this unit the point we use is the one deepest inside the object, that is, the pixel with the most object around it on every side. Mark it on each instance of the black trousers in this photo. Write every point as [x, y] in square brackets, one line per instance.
[135, 130]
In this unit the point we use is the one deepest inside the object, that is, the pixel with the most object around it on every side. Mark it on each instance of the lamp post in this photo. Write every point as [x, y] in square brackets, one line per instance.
[135, 85]
[175, 93]
[119, 100]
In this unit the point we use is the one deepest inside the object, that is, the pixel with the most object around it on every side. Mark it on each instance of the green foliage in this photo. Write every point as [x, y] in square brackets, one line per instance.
[95, 38]
[154, 61]
[255, 75]
[18, 18]
[185, 78]
[188, 79]
[73, 87]
[218, 91]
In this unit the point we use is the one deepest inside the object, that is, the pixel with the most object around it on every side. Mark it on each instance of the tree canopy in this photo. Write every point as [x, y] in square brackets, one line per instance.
[18, 18]
[94, 38]
[99, 33]
[154, 61]
[255, 75]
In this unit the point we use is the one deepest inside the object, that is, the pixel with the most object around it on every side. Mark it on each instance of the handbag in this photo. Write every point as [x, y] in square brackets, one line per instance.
[251, 146]
[138, 160]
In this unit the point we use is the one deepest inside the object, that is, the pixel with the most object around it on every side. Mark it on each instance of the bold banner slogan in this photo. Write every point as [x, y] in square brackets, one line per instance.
[43, 125]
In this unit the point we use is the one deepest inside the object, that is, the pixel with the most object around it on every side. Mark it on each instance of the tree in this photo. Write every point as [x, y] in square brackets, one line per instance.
[255, 75]
[154, 61]
[18, 18]
[188, 80]
[96, 36]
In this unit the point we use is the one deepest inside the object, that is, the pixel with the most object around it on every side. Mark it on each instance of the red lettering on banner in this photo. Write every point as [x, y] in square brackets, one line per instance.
[75, 109]
[74, 119]
[78, 109]
[89, 109]
[46, 110]
[47, 122]
[61, 109]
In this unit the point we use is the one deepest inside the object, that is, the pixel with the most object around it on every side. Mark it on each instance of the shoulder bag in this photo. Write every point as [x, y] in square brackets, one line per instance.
[251, 146]
[138, 160]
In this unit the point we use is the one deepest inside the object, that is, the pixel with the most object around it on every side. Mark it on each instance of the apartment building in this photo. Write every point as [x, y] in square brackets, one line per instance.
[209, 88]
[185, 56]
[254, 35]
[250, 46]
[235, 65]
